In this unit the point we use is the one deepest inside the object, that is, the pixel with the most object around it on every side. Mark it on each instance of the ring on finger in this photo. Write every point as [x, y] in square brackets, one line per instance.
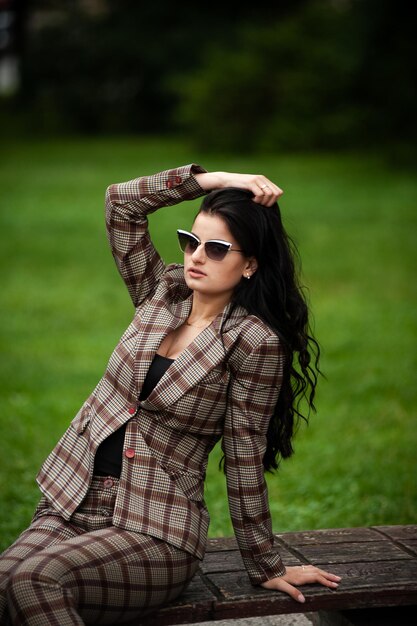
[263, 186]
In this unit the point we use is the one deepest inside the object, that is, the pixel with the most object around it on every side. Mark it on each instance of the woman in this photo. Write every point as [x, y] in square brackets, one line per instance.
[122, 523]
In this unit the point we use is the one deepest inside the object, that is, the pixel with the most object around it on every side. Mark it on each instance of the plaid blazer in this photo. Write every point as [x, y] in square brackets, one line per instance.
[170, 434]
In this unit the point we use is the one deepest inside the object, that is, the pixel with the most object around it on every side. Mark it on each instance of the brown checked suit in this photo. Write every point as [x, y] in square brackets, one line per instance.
[196, 402]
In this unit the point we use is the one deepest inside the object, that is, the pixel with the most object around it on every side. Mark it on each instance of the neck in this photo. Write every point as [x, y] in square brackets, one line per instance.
[207, 308]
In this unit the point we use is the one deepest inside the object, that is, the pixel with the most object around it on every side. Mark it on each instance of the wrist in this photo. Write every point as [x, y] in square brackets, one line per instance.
[210, 180]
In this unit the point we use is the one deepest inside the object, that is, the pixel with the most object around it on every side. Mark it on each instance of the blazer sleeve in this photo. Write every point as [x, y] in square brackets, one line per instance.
[127, 207]
[253, 394]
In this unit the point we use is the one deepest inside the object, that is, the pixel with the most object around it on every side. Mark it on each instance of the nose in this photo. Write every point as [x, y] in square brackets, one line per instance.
[199, 254]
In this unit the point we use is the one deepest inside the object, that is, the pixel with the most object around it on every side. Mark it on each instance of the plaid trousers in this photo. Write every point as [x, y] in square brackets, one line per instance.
[87, 571]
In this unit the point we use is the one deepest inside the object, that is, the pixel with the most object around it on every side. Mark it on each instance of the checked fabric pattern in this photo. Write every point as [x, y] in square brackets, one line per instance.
[196, 403]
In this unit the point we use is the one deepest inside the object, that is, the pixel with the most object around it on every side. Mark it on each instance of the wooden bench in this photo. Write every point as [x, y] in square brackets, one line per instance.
[378, 566]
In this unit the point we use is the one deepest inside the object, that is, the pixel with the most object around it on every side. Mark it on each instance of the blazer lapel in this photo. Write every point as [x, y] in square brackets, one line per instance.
[202, 355]
[157, 321]
[196, 361]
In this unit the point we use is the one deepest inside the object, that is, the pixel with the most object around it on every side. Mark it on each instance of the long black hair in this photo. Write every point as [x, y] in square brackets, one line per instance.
[275, 296]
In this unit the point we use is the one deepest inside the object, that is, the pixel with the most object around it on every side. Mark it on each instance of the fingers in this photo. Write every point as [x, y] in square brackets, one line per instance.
[317, 575]
[292, 591]
[302, 575]
[282, 585]
[265, 191]
[333, 578]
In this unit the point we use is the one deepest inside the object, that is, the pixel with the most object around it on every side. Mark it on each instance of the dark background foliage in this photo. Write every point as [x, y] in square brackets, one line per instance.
[300, 74]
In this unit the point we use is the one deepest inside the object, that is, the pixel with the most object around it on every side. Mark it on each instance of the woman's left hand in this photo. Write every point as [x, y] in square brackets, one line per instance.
[301, 575]
[264, 190]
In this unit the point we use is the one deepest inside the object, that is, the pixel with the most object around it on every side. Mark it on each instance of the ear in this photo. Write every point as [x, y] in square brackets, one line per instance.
[250, 267]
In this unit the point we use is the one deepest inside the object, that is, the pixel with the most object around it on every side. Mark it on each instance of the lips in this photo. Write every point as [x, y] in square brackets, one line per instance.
[193, 271]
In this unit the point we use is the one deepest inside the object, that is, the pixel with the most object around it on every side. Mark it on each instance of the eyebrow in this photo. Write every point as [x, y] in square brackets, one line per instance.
[212, 239]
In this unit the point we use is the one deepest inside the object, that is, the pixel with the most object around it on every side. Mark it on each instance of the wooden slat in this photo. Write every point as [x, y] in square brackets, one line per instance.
[373, 551]
[217, 544]
[333, 535]
[231, 561]
[403, 535]
[399, 533]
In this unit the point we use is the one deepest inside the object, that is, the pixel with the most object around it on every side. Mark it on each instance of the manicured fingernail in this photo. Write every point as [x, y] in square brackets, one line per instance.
[339, 577]
[301, 598]
[335, 584]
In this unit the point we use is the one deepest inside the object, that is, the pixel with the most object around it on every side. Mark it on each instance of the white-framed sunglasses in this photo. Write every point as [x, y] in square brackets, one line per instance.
[215, 249]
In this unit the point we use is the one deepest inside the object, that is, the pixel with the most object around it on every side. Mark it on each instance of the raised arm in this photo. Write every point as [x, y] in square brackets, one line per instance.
[127, 207]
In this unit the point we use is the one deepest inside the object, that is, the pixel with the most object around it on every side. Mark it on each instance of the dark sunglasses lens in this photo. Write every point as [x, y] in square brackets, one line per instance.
[187, 242]
[216, 251]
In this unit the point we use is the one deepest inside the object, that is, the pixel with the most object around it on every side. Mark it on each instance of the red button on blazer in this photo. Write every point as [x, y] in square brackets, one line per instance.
[132, 410]
[129, 453]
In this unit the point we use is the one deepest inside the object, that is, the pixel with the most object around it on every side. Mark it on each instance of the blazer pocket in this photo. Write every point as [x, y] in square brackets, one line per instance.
[192, 485]
[215, 376]
[82, 419]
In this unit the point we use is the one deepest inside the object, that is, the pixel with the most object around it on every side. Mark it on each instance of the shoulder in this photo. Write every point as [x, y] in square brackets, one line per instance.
[258, 349]
[173, 282]
[171, 286]
[174, 272]
[254, 331]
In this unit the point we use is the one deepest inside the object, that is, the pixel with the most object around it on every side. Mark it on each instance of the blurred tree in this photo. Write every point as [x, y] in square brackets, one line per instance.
[321, 77]
[291, 74]
[104, 66]
[387, 80]
[9, 44]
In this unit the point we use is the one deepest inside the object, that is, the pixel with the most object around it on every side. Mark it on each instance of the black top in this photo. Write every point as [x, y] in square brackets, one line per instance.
[108, 460]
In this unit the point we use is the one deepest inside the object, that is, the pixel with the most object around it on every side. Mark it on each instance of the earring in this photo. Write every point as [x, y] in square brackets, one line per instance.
[247, 276]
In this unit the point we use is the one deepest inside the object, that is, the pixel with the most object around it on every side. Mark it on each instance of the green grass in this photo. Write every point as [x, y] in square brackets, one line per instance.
[64, 308]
